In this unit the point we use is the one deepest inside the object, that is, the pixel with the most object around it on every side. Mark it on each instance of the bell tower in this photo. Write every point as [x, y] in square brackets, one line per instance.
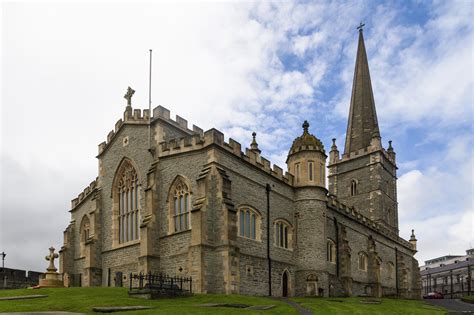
[365, 176]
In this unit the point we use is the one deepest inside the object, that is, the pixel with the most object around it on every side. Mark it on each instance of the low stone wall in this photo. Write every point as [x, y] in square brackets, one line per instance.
[18, 279]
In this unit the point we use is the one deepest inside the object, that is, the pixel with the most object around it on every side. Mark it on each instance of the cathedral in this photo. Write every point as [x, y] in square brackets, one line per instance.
[182, 201]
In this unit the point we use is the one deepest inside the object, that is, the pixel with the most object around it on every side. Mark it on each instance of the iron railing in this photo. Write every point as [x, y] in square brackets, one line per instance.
[161, 283]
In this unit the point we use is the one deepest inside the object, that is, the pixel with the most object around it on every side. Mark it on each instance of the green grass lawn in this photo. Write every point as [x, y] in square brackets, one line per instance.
[82, 300]
[353, 306]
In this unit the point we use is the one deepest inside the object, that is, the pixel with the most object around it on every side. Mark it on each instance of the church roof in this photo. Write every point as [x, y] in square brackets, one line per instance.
[306, 141]
[362, 125]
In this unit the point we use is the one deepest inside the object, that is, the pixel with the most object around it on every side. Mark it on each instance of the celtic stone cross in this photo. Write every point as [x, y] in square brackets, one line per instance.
[52, 255]
[128, 96]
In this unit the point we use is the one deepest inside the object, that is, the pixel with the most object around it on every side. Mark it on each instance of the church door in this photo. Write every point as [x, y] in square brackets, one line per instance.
[284, 292]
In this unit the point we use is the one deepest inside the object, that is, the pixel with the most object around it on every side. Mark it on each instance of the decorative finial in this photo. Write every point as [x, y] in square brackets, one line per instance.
[361, 27]
[128, 96]
[390, 148]
[334, 141]
[254, 144]
[305, 126]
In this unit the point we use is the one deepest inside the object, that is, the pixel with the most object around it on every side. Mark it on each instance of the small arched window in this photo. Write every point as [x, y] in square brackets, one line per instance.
[249, 223]
[128, 203]
[331, 251]
[362, 261]
[180, 204]
[283, 234]
[390, 270]
[389, 216]
[353, 187]
[310, 170]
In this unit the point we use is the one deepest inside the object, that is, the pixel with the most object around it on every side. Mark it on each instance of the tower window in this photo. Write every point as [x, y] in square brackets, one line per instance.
[310, 170]
[297, 172]
[353, 187]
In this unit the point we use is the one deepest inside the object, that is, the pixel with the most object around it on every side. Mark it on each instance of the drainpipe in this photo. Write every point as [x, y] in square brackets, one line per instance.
[336, 226]
[268, 189]
[396, 269]
[451, 276]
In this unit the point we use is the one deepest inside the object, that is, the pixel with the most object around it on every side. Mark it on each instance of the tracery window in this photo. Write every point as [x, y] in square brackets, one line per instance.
[128, 204]
[363, 261]
[283, 234]
[353, 187]
[249, 223]
[181, 206]
[331, 251]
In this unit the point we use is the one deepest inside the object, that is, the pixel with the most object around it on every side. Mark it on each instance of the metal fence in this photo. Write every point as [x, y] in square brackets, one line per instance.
[161, 283]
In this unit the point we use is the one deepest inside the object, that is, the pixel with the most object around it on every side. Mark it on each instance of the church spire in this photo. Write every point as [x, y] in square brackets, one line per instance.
[362, 125]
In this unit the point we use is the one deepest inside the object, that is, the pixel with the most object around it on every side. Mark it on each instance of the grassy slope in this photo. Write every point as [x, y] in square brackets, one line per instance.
[83, 299]
[353, 306]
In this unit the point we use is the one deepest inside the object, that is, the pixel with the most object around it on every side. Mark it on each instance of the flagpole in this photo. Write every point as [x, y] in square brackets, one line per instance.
[149, 108]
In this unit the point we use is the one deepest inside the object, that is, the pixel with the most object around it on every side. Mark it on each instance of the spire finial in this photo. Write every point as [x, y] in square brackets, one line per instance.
[254, 144]
[305, 126]
[361, 27]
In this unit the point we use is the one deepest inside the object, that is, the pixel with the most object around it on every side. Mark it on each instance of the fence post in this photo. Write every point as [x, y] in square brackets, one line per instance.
[130, 281]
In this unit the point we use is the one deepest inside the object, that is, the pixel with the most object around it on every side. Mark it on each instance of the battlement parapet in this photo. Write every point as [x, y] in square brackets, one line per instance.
[84, 194]
[142, 117]
[352, 212]
[215, 137]
[163, 113]
[362, 152]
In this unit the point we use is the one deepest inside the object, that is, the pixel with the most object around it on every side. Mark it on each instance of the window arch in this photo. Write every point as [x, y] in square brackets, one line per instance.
[353, 187]
[283, 234]
[128, 195]
[249, 223]
[363, 261]
[180, 205]
[84, 232]
[331, 251]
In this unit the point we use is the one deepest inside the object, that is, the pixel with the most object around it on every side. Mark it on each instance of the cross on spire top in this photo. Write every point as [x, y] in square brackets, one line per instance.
[361, 27]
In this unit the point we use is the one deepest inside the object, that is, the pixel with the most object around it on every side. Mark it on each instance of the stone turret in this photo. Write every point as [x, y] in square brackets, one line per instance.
[307, 159]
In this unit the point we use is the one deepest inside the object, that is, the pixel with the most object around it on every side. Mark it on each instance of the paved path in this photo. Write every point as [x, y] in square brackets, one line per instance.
[453, 305]
[299, 308]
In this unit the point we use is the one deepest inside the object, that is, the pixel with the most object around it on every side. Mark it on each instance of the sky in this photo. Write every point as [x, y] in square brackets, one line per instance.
[238, 67]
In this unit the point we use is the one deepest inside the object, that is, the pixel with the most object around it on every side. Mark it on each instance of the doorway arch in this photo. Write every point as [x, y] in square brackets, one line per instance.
[284, 283]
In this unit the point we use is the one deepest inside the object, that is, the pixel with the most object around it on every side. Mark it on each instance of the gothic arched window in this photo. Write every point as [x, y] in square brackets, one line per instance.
[84, 232]
[353, 187]
[283, 234]
[249, 223]
[362, 261]
[331, 251]
[180, 206]
[128, 204]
